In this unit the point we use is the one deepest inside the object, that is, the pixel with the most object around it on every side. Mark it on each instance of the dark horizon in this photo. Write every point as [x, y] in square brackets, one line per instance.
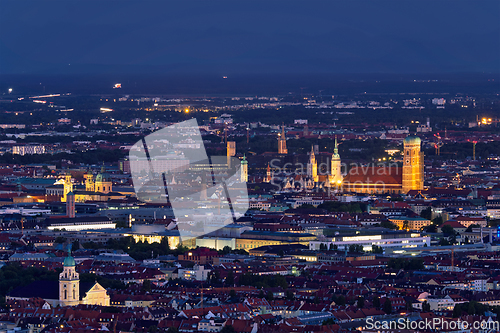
[251, 84]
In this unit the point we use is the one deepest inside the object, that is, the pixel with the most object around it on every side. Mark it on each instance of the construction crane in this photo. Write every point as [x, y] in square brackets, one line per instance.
[438, 144]
[474, 142]
[474, 150]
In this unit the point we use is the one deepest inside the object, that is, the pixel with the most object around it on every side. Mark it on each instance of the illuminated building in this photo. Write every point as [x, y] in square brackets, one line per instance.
[69, 288]
[100, 189]
[68, 186]
[413, 165]
[253, 239]
[69, 283]
[28, 150]
[231, 148]
[197, 273]
[389, 178]
[335, 167]
[393, 240]
[312, 167]
[68, 291]
[154, 233]
[269, 176]
[80, 223]
[89, 182]
[410, 223]
[244, 169]
[103, 182]
[282, 150]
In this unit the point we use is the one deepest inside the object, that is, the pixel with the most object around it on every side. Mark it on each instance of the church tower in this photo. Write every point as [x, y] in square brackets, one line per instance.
[244, 169]
[268, 177]
[335, 165]
[282, 142]
[413, 165]
[68, 186]
[312, 166]
[89, 181]
[69, 283]
[70, 205]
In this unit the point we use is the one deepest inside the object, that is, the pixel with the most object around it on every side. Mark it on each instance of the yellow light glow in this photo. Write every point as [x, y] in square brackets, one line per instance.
[187, 110]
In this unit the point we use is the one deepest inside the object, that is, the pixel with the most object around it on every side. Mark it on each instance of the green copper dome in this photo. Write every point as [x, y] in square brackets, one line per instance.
[103, 176]
[412, 140]
[69, 261]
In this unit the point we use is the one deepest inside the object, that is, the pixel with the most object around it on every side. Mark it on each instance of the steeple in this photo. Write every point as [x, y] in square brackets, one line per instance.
[336, 149]
[268, 174]
[282, 150]
[312, 166]
[244, 169]
[335, 166]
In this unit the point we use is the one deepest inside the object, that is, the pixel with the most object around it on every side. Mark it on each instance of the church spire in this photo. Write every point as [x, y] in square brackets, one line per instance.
[282, 150]
[336, 149]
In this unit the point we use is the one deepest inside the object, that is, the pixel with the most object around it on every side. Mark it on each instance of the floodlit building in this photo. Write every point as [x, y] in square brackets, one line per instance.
[68, 291]
[394, 241]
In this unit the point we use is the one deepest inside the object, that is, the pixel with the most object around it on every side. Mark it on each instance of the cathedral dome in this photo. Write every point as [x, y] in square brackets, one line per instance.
[103, 176]
[69, 261]
[412, 140]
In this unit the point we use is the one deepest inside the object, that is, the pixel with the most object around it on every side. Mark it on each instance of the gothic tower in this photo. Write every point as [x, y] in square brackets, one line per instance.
[230, 151]
[312, 167]
[69, 283]
[282, 142]
[68, 186]
[413, 165]
[335, 166]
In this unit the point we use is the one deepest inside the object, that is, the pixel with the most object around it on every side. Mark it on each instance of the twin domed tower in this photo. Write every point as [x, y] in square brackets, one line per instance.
[94, 189]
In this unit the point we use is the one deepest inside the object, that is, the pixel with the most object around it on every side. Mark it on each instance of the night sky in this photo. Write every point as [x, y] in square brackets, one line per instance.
[238, 37]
